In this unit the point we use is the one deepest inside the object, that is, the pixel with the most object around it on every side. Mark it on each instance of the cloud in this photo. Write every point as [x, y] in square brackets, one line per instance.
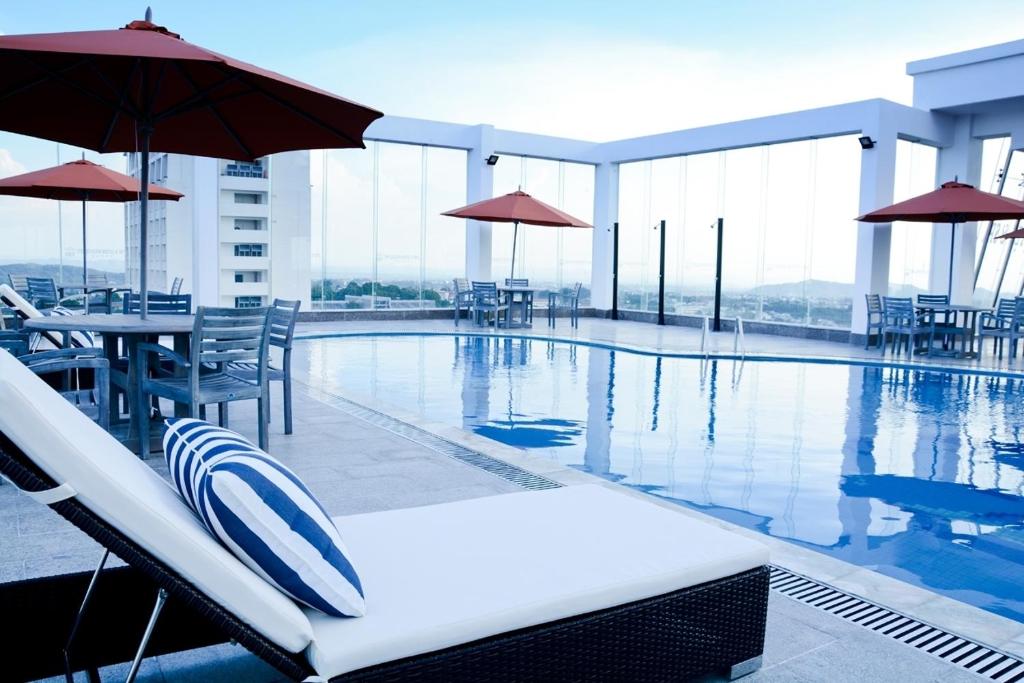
[8, 164]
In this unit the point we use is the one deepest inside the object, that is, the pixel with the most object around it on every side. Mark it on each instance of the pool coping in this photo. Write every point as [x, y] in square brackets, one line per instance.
[653, 351]
[920, 603]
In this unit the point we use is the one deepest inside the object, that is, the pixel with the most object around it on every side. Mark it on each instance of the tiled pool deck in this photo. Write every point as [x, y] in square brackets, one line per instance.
[355, 466]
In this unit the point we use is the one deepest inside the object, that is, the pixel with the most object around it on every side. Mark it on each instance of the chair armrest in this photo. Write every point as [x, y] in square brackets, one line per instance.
[45, 362]
[146, 348]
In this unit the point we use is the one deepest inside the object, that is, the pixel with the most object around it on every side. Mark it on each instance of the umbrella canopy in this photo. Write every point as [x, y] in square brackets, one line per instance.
[143, 88]
[81, 181]
[517, 207]
[952, 203]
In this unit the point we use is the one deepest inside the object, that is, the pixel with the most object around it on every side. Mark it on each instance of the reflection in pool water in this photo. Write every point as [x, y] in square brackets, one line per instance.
[918, 475]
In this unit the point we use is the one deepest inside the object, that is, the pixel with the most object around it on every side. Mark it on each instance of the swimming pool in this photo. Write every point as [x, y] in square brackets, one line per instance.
[915, 474]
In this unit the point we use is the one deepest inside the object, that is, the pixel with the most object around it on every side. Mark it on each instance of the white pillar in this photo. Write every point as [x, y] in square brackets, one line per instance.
[479, 186]
[877, 177]
[962, 161]
[606, 212]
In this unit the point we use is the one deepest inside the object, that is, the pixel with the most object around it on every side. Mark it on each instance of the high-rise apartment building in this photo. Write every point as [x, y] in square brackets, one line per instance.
[240, 235]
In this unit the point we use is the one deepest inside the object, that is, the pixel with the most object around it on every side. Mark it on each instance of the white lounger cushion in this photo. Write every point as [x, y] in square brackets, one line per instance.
[127, 493]
[448, 574]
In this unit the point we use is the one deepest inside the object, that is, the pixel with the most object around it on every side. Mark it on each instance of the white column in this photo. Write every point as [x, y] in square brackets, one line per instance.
[479, 186]
[961, 161]
[606, 212]
[877, 177]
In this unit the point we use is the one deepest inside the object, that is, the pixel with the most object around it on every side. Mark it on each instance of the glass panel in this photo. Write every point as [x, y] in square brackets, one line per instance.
[744, 232]
[348, 232]
[991, 254]
[445, 236]
[399, 226]
[833, 236]
[694, 273]
[789, 207]
[378, 237]
[637, 247]
[1013, 280]
[910, 251]
[576, 244]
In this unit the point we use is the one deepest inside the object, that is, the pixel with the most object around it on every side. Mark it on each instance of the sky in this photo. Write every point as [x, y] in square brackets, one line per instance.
[586, 69]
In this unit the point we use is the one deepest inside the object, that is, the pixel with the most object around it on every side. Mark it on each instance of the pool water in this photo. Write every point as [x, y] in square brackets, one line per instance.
[918, 475]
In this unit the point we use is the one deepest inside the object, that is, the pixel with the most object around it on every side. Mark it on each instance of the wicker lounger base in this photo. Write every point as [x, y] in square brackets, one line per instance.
[711, 627]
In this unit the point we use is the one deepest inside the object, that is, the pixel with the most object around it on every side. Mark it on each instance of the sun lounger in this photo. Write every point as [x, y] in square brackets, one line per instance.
[579, 582]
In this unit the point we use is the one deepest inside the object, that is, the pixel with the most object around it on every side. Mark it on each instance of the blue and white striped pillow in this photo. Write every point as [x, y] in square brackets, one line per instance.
[263, 514]
[82, 338]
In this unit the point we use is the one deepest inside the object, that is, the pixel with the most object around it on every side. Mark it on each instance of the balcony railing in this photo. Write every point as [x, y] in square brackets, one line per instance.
[245, 170]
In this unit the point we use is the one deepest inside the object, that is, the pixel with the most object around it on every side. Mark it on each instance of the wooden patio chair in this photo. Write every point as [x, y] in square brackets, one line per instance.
[219, 336]
[283, 315]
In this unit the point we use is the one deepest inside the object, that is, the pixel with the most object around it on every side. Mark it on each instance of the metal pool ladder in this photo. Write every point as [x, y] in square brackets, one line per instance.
[739, 341]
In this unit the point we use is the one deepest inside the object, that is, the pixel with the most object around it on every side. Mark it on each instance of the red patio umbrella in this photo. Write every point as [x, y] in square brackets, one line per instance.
[81, 181]
[517, 207]
[143, 88]
[952, 203]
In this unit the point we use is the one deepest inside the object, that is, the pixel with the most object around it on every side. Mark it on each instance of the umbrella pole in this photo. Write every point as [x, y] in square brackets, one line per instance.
[143, 221]
[515, 234]
[85, 271]
[952, 241]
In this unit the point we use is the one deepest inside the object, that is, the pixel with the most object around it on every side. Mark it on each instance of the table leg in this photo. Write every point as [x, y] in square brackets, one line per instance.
[181, 344]
[110, 353]
[139, 414]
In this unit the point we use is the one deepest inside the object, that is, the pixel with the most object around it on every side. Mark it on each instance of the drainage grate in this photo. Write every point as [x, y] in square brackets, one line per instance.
[499, 468]
[963, 652]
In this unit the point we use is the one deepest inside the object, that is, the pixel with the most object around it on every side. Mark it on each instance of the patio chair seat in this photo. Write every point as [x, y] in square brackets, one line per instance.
[247, 371]
[213, 388]
[128, 494]
[443, 575]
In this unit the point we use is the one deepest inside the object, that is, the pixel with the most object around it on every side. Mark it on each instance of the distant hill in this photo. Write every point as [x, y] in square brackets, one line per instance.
[52, 270]
[823, 289]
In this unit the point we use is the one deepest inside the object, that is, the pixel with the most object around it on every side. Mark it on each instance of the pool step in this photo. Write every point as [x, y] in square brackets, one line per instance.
[949, 647]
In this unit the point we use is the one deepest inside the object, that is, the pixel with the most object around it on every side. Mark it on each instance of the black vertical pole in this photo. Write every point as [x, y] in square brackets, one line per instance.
[718, 278]
[615, 271]
[661, 277]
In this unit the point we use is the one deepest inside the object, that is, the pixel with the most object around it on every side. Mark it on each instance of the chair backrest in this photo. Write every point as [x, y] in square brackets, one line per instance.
[1018, 311]
[933, 299]
[874, 302]
[283, 314]
[898, 306]
[517, 282]
[1005, 308]
[15, 342]
[576, 288]
[176, 285]
[19, 283]
[461, 285]
[159, 304]
[485, 292]
[42, 289]
[230, 335]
